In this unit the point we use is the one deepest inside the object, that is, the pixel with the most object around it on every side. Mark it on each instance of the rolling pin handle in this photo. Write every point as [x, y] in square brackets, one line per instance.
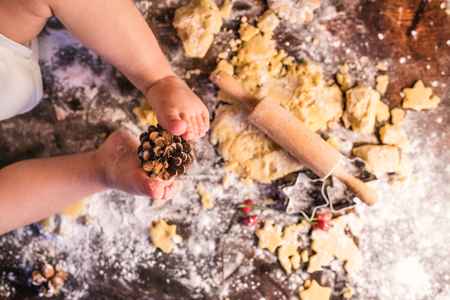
[361, 190]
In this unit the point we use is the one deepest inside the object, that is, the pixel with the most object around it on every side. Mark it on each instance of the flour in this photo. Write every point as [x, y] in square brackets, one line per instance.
[403, 240]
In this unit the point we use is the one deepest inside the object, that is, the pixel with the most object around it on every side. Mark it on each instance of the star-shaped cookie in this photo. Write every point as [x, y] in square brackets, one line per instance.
[163, 235]
[335, 243]
[269, 236]
[288, 252]
[420, 97]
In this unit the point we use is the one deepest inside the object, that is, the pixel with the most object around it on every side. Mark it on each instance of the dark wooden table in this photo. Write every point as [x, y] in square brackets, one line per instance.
[412, 37]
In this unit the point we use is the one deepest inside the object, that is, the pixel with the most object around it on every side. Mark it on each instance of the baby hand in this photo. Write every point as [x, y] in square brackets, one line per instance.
[178, 109]
[122, 171]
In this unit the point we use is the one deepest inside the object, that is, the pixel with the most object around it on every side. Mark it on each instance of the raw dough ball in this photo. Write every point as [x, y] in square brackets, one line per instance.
[383, 159]
[420, 97]
[294, 11]
[398, 116]
[361, 108]
[395, 136]
[197, 23]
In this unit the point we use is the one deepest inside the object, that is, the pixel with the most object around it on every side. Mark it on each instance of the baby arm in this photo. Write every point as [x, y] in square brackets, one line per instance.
[33, 189]
[116, 30]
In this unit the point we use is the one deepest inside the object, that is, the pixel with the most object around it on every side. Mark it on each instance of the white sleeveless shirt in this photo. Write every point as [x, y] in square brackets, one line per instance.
[20, 77]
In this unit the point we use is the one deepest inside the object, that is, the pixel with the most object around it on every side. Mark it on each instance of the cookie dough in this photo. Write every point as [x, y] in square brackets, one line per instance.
[382, 83]
[268, 21]
[334, 243]
[345, 81]
[394, 136]
[382, 66]
[297, 87]
[362, 106]
[397, 116]
[288, 252]
[226, 8]
[225, 66]
[197, 23]
[420, 97]
[164, 236]
[382, 112]
[145, 113]
[269, 236]
[294, 11]
[316, 292]
[205, 196]
[379, 158]
[74, 211]
[405, 167]
[333, 142]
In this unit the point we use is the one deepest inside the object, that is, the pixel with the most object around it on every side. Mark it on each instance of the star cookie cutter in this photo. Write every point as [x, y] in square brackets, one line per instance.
[306, 192]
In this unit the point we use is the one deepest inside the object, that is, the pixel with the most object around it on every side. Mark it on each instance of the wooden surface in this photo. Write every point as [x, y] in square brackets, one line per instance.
[358, 24]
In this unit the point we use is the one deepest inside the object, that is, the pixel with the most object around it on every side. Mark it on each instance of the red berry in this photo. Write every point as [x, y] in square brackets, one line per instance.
[325, 226]
[250, 221]
[324, 217]
[247, 209]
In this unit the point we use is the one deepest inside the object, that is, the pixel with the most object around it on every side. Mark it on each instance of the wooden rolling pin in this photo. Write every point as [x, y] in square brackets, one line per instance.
[290, 133]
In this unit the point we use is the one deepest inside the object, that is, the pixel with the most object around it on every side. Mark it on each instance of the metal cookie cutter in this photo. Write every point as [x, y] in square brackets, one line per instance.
[308, 193]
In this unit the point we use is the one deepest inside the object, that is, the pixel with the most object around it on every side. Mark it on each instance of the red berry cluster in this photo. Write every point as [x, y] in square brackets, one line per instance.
[323, 222]
[249, 220]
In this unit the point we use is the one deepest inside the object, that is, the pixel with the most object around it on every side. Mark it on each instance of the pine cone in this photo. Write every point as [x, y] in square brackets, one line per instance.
[164, 155]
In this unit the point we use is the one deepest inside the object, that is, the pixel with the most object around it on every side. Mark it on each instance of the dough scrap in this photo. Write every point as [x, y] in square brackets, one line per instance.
[344, 69]
[297, 87]
[379, 158]
[394, 136]
[206, 196]
[197, 23]
[420, 97]
[335, 243]
[405, 167]
[268, 21]
[74, 211]
[333, 142]
[145, 113]
[382, 66]
[316, 292]
[164, 236]
[247, 32]
[269, 236]
[397, 116]
[382, 83]
[293, 11]
[225, 66]
[382, 112]
[345, 81]
[304, 256]
[361, 108]
[226, 8]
